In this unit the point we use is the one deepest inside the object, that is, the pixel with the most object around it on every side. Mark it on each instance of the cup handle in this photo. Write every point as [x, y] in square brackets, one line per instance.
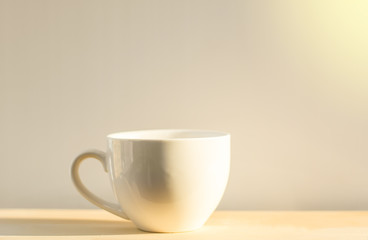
[100, 156]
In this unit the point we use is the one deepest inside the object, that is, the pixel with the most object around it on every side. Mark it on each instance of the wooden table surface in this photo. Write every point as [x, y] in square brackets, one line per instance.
[229, 225]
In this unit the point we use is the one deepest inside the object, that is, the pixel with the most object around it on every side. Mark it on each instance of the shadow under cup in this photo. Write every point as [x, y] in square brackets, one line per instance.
[167, 180]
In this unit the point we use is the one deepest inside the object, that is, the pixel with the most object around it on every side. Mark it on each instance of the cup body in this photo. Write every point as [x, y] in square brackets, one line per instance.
[168, 180]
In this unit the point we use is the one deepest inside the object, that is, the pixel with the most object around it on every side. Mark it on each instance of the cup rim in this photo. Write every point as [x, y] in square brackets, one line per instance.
[167, 135]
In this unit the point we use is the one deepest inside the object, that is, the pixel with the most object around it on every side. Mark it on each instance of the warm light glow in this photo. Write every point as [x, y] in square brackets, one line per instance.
[331, 37]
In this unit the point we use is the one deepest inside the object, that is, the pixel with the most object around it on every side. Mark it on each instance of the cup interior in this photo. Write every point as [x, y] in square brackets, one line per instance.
[167, 134]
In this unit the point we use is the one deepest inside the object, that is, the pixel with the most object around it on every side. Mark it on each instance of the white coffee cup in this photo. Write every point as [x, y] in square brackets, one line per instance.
[164, 180]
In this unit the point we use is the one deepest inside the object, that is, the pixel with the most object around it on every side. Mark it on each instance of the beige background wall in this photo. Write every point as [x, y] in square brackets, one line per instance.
[288, 79]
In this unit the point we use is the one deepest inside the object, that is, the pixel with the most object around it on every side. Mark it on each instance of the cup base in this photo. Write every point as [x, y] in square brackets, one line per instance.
[182, 230]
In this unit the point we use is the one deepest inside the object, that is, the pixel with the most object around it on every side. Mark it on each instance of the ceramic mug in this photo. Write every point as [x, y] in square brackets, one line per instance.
[164, 180]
